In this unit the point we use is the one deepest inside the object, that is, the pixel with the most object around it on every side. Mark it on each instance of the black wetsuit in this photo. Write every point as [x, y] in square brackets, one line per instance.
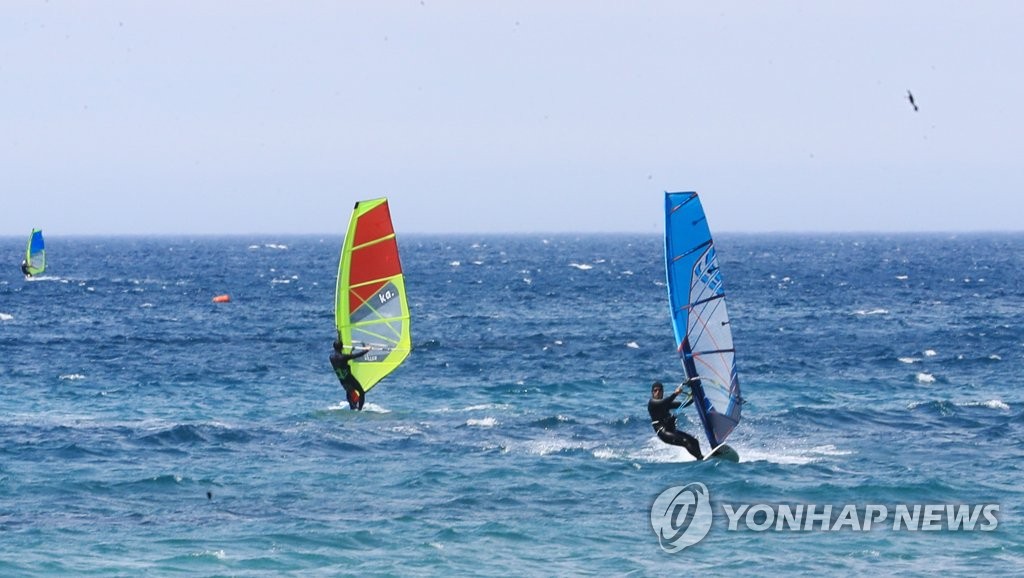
[24, 269]
[664, 423]
[353, 389]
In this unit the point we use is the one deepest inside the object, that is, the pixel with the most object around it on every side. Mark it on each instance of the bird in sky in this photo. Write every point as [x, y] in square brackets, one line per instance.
[910, 97]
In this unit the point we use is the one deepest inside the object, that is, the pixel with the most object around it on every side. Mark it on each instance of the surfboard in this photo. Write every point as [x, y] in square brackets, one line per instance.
[723, 452]
[700, 320]
[371, 309]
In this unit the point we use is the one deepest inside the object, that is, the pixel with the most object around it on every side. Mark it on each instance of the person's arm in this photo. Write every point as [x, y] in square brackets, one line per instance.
[361, 353]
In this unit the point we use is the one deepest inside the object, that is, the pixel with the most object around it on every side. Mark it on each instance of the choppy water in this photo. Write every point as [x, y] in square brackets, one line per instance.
[515, 440]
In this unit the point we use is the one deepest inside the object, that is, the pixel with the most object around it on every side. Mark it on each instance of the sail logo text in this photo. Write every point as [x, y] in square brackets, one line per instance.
[681, 516]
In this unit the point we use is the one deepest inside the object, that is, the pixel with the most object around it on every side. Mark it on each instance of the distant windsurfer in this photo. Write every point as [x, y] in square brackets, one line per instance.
[664, 421]
[24, 268]
[353, 389]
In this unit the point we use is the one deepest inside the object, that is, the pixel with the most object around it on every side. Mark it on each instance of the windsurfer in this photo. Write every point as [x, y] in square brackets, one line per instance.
[24, 268]
[353, 389]
[664, 421]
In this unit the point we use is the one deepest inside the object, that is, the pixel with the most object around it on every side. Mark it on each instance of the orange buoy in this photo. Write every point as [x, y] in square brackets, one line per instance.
[222, 298]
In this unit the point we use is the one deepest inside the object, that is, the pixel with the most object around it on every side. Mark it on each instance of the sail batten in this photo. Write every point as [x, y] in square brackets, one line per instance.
[371, 308]
[700, 318]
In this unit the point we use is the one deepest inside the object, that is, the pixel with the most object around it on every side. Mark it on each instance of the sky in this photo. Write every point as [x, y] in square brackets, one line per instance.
[548, 116]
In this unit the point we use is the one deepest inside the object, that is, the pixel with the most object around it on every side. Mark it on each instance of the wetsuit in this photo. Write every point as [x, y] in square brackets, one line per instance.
[664, 423]
[24, 269]
[353, 389]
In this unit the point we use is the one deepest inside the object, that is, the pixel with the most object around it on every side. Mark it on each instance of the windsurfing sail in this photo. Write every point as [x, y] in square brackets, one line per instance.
[371, 309]
[35, 253]
[699, 316]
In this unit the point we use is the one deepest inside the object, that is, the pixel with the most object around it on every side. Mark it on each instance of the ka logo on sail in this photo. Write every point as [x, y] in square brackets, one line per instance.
[681, 516]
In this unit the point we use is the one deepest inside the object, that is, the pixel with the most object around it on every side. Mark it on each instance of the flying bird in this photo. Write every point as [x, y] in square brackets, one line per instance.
[910, 97]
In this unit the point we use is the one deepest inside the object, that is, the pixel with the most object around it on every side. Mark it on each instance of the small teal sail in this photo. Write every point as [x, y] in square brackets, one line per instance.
[699, 316]
[35, 253]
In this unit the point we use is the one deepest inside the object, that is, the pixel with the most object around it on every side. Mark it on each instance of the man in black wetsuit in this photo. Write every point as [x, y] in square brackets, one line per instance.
[664, 421]
[353, 389]
[24, 268]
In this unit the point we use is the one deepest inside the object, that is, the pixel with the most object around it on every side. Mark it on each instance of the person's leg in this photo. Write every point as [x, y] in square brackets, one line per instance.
[682, 439]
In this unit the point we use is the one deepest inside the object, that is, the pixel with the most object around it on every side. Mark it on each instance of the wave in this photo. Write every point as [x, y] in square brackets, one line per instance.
[867, 312]
[945, 407]
[990, 404]
[368, 407]
[188, 434]
[552, 422]
[784, 455]
[656, 451]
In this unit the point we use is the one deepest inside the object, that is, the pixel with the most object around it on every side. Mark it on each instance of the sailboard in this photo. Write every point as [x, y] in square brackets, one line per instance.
[700, 320]
[371, 308]
[35, 253]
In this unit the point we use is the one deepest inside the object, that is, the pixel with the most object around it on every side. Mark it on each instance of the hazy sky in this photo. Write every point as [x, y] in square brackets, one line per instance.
[274, 117]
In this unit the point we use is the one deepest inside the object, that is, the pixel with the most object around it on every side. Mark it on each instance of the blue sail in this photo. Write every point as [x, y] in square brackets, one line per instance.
[699, 317]
[35, 253]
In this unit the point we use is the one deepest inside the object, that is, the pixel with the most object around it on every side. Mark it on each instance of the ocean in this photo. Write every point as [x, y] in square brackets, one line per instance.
[149, 431]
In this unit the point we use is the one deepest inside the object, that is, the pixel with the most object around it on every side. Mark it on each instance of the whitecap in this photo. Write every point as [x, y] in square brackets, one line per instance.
[486, 406]
[374, 408]
[6, 317]
[656, 451]
[581, 266]
[407, 430]
[929, 353]
[908, 359]
[485, 422]
[877, 311]
[72, 377]
[556, 445]
[369, 407]
[902, 277]
[925, 378]
[218, 554]
[633, 345]
[995, 357]
[990, 404]
[791, 456]
[455, 263]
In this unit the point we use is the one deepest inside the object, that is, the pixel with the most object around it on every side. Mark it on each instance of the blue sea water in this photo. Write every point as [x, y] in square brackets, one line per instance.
[515, 439]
